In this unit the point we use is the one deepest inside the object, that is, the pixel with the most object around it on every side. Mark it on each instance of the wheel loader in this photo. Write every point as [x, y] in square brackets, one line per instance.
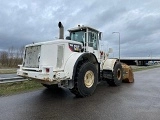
[76, 62]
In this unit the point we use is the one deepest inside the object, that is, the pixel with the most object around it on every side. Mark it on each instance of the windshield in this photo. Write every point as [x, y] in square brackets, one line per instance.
[77, 36]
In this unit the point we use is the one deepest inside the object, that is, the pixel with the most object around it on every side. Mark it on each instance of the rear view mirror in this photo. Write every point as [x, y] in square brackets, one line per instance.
[68, 38]
[100, 36]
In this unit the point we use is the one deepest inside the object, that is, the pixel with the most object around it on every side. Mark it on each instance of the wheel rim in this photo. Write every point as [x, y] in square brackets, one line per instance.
[119, 74]
[89, 79]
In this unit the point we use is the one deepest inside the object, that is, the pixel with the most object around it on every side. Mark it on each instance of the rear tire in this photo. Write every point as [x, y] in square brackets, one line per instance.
[85, 80]
[117, 75]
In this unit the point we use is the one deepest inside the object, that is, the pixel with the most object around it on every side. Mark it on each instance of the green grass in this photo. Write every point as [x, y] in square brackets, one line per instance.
[18, 87]
[140, 68]
[8, 71]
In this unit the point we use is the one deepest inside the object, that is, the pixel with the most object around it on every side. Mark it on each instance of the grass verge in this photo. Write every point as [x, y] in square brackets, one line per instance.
[18, 87]
[8, 71]
[140, 68]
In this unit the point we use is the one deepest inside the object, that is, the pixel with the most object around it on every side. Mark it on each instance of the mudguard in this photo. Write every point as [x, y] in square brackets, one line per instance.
[109, 64]
[70, 63]
[73, 60]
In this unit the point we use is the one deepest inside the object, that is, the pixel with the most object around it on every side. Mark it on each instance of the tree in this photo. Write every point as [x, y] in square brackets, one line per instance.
[4, 58]
[11, 58]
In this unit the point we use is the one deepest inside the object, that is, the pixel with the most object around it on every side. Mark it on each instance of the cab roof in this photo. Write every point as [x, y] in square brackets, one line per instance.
[82, 27]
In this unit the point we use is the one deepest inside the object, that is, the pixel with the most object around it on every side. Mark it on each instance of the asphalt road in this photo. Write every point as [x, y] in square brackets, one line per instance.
[137, 101]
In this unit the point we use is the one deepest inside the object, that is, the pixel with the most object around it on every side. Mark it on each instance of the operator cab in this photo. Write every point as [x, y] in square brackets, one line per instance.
[88, 36]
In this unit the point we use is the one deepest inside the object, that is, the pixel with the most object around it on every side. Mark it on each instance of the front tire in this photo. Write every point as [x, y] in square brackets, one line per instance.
[117, 75]
[85, 80]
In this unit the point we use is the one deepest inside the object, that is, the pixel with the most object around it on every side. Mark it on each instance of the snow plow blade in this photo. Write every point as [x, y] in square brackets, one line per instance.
[128, 76]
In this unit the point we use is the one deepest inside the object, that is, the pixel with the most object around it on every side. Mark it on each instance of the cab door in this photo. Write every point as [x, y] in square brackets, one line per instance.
[93, 43]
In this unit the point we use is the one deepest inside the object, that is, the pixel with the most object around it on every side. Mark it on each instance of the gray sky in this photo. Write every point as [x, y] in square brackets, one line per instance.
[138, 21]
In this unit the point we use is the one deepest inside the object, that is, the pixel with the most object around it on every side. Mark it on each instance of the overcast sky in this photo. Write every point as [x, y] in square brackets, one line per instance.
[138, 21]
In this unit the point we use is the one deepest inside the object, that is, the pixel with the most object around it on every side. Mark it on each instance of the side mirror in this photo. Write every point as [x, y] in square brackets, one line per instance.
[84, 38]
[100, 36]
[68, 38]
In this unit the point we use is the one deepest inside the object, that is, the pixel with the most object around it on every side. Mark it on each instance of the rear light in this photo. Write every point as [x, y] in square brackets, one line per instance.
[47, 70]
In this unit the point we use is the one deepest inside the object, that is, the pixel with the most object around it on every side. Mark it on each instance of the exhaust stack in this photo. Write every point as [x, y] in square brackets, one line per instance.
[61, 30]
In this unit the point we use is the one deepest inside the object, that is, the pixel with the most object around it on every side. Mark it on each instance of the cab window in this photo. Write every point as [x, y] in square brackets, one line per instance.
[77, 36]
[93, 40]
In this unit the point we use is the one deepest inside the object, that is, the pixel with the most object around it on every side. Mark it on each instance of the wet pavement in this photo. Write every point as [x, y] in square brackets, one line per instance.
[137, 101]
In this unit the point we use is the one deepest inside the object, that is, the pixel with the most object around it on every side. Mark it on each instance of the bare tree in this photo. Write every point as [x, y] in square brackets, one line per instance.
[18, 56]
[11, 58]
[4, 58]
[11, 51]
[21, 50]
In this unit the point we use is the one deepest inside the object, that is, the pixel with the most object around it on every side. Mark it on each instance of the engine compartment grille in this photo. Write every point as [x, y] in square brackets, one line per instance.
[32, 56]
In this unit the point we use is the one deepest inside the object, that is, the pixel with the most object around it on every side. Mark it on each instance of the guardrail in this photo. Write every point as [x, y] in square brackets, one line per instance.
[13, 79]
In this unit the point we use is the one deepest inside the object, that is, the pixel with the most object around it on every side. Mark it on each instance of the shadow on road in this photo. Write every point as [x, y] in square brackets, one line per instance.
[63, 93]
[58, 93]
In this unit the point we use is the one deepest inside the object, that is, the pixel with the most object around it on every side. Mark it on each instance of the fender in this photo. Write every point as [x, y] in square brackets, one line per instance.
[109, 64]
[70, 63]
[89, 57]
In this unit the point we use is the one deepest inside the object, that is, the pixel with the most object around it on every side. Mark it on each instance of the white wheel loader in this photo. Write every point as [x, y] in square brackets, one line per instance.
[75, 62]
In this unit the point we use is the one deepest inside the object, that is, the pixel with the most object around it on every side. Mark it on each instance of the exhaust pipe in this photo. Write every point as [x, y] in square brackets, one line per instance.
[61, 30]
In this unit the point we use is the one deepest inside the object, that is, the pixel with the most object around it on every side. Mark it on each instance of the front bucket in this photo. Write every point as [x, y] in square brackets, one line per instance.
[128, 75]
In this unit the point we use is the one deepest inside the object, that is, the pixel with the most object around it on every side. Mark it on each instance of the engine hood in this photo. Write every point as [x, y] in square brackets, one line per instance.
[58, 41]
